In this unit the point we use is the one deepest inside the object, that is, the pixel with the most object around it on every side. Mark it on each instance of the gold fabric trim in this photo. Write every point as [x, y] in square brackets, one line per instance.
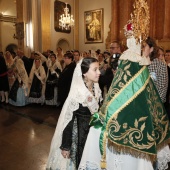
[131, 80]
[129, 150]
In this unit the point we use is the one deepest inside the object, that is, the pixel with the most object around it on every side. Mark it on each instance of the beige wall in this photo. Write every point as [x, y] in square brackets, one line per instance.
[8, 7]
[7, 32]
[92, 5]
[55, 37]
[7, 29]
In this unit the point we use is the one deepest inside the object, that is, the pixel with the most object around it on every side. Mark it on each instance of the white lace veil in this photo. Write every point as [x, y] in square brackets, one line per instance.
[78, 94]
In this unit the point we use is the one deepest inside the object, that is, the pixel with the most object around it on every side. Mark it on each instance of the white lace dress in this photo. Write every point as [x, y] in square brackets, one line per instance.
[91, 157]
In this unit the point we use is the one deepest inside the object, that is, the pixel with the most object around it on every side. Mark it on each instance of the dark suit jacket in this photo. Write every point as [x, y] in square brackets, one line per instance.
[64, 82]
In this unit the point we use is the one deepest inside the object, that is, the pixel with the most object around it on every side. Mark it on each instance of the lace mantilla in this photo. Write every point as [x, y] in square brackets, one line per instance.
[163, 158]
[78, 94]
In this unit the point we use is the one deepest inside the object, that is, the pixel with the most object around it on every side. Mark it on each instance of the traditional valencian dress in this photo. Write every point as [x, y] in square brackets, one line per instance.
[135, 127]
[18, 95]
[36, 87]
[73, 124]
[51, 91]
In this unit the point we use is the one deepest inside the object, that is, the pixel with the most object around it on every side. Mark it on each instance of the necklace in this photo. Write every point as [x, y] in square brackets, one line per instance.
[90, 88]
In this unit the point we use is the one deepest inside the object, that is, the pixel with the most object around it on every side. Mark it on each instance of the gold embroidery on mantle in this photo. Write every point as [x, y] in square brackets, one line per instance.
[136, 132]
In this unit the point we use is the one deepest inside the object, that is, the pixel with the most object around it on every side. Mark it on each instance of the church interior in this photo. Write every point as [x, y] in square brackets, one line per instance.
[33, 25]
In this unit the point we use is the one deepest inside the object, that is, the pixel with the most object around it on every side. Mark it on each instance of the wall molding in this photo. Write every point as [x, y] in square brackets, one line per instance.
[7, 18]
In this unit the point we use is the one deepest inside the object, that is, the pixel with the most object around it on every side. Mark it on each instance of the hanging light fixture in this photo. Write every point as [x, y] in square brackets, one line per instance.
[66, 20]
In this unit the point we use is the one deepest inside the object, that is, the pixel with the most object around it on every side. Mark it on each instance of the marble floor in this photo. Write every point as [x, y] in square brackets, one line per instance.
[25, 136]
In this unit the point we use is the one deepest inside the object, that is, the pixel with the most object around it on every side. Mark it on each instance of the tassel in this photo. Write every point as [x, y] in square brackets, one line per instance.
[103, 164]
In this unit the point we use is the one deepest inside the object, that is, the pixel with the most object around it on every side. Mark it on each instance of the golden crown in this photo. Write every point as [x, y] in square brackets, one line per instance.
[138, 25]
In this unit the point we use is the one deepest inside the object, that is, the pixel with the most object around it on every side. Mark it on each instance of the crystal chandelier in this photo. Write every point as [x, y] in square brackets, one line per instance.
[66, 20]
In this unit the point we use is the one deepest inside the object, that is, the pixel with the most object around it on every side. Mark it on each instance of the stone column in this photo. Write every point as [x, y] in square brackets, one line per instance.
[19, 9]
[166, 21]
[115, 20]
[46, 24]
[113, 33]
[76, 24]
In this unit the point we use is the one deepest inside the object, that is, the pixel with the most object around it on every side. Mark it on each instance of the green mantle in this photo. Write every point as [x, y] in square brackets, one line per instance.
[135, 120]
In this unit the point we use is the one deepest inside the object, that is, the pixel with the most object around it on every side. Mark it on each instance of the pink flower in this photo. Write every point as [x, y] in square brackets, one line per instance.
[89, 99]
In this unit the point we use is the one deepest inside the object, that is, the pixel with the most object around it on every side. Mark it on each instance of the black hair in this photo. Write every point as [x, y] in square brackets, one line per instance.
[36, 54]
[52, 54]
[167, 51]
[69, 55]
[85, 65]
[151, 42]
[98, 51]
[76, 51]
[13, 53]
[1, 53]
[106, 52]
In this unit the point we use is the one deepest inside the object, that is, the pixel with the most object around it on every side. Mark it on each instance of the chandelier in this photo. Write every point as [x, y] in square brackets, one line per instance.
[66, 20]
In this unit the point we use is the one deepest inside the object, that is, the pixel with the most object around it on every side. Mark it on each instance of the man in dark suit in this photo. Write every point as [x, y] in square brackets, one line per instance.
[65, 78]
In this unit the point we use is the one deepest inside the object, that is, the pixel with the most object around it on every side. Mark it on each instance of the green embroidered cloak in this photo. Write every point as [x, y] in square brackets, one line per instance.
[135, 120]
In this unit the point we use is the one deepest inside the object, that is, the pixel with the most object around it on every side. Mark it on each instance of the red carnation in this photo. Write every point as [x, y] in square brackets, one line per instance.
[129, 27]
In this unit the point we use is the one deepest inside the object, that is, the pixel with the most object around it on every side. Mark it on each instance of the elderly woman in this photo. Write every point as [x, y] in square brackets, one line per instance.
[37, 78]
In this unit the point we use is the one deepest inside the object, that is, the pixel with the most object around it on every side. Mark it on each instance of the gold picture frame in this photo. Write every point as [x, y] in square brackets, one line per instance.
[93, 24]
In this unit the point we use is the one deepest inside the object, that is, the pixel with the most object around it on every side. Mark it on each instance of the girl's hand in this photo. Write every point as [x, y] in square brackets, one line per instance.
[66, 154]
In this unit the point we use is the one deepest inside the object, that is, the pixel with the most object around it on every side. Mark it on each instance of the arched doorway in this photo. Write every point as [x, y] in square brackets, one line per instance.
[64, 44]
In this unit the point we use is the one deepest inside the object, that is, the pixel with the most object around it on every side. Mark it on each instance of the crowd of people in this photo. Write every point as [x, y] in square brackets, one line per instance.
[46, 77]
[42, 78]
[114, 103]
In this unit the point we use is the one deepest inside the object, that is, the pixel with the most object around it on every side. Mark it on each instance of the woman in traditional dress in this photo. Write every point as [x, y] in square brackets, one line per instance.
[37, 78]
[19, 91]
[54, 70]
[73, 124]
[132, 127]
